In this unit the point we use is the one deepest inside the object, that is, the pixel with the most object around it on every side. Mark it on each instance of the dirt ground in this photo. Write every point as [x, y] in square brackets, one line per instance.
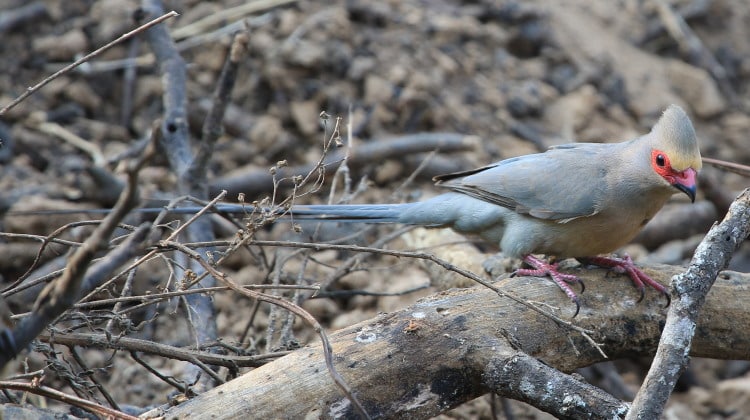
[517, 76]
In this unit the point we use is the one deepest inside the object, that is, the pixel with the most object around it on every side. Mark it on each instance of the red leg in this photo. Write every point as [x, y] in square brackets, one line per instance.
[541, 268]
[626, 266]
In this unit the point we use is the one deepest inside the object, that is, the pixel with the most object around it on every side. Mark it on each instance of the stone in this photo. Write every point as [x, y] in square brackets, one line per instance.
[697, 88]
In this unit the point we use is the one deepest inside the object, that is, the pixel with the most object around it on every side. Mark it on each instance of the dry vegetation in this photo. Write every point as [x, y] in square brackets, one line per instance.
[344, 101]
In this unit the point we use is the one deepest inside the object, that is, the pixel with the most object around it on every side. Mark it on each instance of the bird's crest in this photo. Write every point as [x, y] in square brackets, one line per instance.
[677, 138]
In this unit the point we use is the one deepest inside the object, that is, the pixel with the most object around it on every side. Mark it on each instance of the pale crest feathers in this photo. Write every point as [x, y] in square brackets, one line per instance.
[676, 133]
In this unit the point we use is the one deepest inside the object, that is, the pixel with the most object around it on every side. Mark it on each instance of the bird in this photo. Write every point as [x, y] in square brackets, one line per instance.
[577, 200]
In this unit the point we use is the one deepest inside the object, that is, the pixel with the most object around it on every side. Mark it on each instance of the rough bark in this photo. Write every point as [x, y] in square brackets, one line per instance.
[690, 290]
[450, 348]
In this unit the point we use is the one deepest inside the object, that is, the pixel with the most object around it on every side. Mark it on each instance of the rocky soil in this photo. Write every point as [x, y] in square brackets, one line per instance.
[508, 77]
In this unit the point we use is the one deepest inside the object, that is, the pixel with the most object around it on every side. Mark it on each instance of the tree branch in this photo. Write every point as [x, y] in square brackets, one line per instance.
[446, 349]
[688, 294]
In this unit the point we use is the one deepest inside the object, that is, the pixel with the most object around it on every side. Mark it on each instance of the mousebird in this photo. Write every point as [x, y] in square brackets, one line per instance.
[578, 200]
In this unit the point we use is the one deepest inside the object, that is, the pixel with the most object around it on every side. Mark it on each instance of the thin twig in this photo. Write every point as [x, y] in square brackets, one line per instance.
[195, 217]
[128, 83]
[328, 351]
[423, 256]
[127, 290]
[46, 240]
[54, 394]
[91, 149]
[59, 296]
[180, 385]
[156, 297]
[158, 349]
[85, 58]
[222, 16]
[151, 254]
[91, 377]
[736, 168]
[212, 125]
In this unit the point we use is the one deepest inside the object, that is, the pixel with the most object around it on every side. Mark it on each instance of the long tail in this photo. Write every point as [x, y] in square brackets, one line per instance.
[367, 213]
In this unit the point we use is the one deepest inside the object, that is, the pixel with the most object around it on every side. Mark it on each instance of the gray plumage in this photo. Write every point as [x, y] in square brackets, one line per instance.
[574, 200]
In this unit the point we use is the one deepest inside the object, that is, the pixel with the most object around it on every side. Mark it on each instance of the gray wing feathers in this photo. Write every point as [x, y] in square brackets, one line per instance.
[545, 185]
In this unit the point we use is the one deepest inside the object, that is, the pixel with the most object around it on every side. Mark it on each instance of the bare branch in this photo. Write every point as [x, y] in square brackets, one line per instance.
[174, 130]
[191, 173]
[158, 349]
[446, 349]
[737, 168]
[341, 384]
[689, 292]
[54, 394]
[212, 126]
[526, 379]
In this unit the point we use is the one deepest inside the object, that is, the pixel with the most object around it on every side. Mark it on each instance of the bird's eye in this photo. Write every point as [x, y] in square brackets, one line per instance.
[660, 160]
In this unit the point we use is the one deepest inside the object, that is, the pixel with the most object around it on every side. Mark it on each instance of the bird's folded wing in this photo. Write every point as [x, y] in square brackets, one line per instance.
[561, 184]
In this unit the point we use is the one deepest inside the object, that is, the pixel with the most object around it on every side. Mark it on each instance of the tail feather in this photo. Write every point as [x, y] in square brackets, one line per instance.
[363, 213]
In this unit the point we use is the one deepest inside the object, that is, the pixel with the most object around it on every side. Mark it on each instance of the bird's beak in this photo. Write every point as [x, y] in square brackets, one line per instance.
[685, 182]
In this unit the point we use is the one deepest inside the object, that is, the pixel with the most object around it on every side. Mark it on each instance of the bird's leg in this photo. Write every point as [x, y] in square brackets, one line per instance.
[626, 266]
[541, 268]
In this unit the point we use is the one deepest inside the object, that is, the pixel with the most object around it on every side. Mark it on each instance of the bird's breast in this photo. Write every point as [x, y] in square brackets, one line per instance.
[601, 233]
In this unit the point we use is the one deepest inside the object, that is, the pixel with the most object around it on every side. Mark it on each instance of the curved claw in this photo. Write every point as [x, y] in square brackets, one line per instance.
[626, 266]
[669, 298]
[643, 293]
[578, 307]
[583, 286]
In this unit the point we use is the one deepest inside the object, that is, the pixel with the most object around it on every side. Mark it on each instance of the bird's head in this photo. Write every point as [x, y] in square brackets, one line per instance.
[675, 155]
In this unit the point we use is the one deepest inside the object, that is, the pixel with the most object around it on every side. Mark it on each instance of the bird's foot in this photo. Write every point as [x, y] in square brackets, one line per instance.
[541, 268]
[626, 265]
